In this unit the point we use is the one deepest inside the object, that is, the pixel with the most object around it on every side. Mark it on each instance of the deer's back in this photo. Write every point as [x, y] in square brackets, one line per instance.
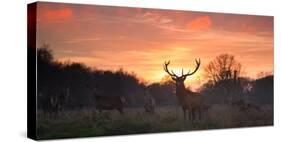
[108, 102]
[193, 100]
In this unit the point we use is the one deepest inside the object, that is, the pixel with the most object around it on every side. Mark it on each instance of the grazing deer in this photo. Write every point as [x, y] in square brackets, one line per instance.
[109, 103]
[187, 99]
[244, 107]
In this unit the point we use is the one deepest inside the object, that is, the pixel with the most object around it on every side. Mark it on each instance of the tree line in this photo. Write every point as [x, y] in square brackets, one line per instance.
[225, 84]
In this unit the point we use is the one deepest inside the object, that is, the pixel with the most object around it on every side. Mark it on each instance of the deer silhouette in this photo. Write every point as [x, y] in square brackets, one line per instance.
[109, 103]
[191, 101]
[53, 101]
[149, 102]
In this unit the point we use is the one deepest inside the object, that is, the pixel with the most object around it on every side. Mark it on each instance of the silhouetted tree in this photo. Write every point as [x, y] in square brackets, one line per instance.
[224, 78]
[51, 96]
[83, 83]
[223, 67]
[44, 54]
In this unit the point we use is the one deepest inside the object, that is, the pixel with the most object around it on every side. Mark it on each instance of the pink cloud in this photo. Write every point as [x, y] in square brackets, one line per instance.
[57, 14]
[200, 23]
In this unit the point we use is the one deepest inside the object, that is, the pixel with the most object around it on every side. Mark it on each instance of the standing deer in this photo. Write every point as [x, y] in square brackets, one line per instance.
[53, 101]
[187, 99]
[149, 102]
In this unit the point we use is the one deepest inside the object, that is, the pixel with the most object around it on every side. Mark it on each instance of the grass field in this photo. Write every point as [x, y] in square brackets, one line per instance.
[84, 123]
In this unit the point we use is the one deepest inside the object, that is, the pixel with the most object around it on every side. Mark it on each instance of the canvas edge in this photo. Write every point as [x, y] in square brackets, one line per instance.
[31, 70]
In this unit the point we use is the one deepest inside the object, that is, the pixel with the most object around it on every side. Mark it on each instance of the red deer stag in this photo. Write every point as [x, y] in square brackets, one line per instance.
[191, 101]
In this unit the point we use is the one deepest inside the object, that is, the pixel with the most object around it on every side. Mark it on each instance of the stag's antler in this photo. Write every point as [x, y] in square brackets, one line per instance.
[167, 70]
[196, 68]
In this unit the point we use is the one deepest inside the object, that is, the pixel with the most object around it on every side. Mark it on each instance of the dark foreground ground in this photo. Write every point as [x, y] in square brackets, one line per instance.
[87, 123]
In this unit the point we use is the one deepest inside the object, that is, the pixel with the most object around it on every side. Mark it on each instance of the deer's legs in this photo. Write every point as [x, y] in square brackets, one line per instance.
[192, 114]
[152, 110]
[189, 114]
[184, 113]
[120, 110]
[199, 113]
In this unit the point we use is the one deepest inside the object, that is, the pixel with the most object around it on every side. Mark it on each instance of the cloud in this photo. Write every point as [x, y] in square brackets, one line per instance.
[200, 23]
[57, 14]
[152, 18]
[78, 40]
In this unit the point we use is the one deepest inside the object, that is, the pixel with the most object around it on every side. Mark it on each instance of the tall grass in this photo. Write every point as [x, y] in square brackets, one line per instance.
[87, 122]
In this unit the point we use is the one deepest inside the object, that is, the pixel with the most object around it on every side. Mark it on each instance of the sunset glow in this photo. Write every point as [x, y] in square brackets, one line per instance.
[141, 40]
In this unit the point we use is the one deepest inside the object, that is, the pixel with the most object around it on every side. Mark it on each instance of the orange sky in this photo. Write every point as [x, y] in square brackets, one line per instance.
[140, 40]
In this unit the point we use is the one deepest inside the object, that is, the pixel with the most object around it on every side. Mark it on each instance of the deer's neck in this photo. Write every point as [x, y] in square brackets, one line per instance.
[180, 90]
[181, 95]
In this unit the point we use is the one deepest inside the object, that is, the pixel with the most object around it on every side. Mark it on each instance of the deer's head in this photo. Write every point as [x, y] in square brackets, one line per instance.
[180, 79]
